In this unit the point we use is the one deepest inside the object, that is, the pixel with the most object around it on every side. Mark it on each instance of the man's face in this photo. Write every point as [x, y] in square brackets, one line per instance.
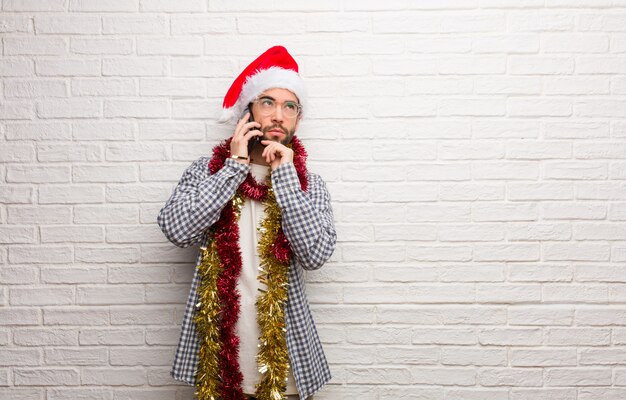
[276, 126]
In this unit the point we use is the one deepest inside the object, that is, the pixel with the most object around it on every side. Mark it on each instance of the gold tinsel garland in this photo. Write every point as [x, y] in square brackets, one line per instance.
[273, 358]
[207, 319]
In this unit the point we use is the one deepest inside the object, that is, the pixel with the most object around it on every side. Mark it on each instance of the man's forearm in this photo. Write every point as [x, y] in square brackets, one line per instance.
[198, 200]
[307, 218]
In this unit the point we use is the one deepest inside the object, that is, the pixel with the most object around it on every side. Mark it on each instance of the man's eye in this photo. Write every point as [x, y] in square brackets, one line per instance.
[267, 102]
[290, 106]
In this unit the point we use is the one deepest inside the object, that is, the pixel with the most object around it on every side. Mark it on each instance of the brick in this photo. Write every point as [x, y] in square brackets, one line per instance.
[17, 234]
[476, 394]
[598, 316]
[38, 46]
[578, 377]
[472, 356]
[586, 293]
[141, 316]
[543, 357]
[385, 193]
[79, 316]
[601, 393]
[187, 46]
[105, 214]
[189, 24]
[486, 212]
[109, 6]
[35, 337]
[506, 252]
[16, 153]
[172, 6]
[40, 254]
[150, 394]
[14, 23]
[18, 275]
[90, 274]
[15, 194]
[137, 193]
[111, 336]
[143, 274]
[444, 212]
[35, 89]
[377, 375]
[78, 24]
[113, 377]
[33, 5]
[71, 233]
[470, 191]
[110, 294]
[444, 376]
[576, 252]
[41, 296]
[134, 24]
[510, 336]
[472, 273]
[35, 174]
[68, 108]
[71, 194]
[38, 131]
[19, 316]
[76, 356]
[178, 87]
[68, 67]
[20, 357]
[444, 336]
[136, 108]
[153, 356]
[106, 254]
[539, 231]
[80, 394]
[578, 337]
[17, 67]
[202, 67]
[510, 377]
[140, 66]
[104, 173]
[436, 315]
[14, 393]
[16, 110]
[101, 46]
[46, 377]
[540, 315]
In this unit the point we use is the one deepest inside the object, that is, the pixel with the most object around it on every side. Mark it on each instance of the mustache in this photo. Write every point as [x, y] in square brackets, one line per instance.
[275, 126]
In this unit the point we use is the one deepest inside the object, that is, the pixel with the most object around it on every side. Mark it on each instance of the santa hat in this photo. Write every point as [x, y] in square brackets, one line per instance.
[273, 69]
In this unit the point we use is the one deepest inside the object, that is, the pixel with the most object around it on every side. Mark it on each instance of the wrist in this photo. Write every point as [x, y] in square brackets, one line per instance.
[240, 159]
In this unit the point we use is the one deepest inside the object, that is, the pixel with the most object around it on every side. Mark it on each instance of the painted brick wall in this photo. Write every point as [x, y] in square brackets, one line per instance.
[474, 150]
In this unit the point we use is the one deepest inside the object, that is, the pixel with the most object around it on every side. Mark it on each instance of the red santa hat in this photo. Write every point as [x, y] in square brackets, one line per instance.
[273, 69]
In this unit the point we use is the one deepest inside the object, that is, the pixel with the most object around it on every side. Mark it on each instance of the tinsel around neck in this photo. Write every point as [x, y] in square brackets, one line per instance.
[250, 187]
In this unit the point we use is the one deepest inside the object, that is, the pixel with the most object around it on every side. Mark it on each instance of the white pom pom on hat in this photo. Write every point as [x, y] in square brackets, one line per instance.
[273, 69]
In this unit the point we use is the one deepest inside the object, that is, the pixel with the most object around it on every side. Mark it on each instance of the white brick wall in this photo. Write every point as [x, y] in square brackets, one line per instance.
[475, 154]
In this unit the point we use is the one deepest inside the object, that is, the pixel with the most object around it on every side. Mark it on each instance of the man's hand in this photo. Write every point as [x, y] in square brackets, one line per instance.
[276, 154]
[243, 133]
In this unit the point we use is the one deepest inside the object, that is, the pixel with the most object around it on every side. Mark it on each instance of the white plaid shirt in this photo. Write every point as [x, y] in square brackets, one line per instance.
[307, 221]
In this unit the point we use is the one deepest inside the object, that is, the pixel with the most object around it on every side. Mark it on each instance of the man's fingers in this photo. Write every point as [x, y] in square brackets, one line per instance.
[240, 123]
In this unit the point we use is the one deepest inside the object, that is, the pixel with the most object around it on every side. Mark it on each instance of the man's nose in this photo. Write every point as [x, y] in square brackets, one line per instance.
[278, 114]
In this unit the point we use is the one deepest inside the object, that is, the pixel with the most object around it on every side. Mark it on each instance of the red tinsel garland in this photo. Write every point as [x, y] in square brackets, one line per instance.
[226, 234]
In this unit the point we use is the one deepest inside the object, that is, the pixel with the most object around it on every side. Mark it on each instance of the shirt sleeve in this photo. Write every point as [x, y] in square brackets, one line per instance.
[198, 200]
[307, 217]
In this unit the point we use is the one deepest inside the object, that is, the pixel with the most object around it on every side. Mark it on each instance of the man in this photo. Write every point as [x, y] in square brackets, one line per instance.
[261, 219]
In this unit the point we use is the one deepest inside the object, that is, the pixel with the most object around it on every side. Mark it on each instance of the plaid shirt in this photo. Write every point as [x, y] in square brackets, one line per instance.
[307, 221]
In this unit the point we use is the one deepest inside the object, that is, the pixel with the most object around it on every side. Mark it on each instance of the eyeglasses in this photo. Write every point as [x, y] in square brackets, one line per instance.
[267, 106]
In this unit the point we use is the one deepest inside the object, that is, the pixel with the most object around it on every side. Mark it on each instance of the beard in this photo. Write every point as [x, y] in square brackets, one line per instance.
[288, 133]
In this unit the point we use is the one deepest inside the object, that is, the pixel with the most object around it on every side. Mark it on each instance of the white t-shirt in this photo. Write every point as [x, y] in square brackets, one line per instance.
[252, 214]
